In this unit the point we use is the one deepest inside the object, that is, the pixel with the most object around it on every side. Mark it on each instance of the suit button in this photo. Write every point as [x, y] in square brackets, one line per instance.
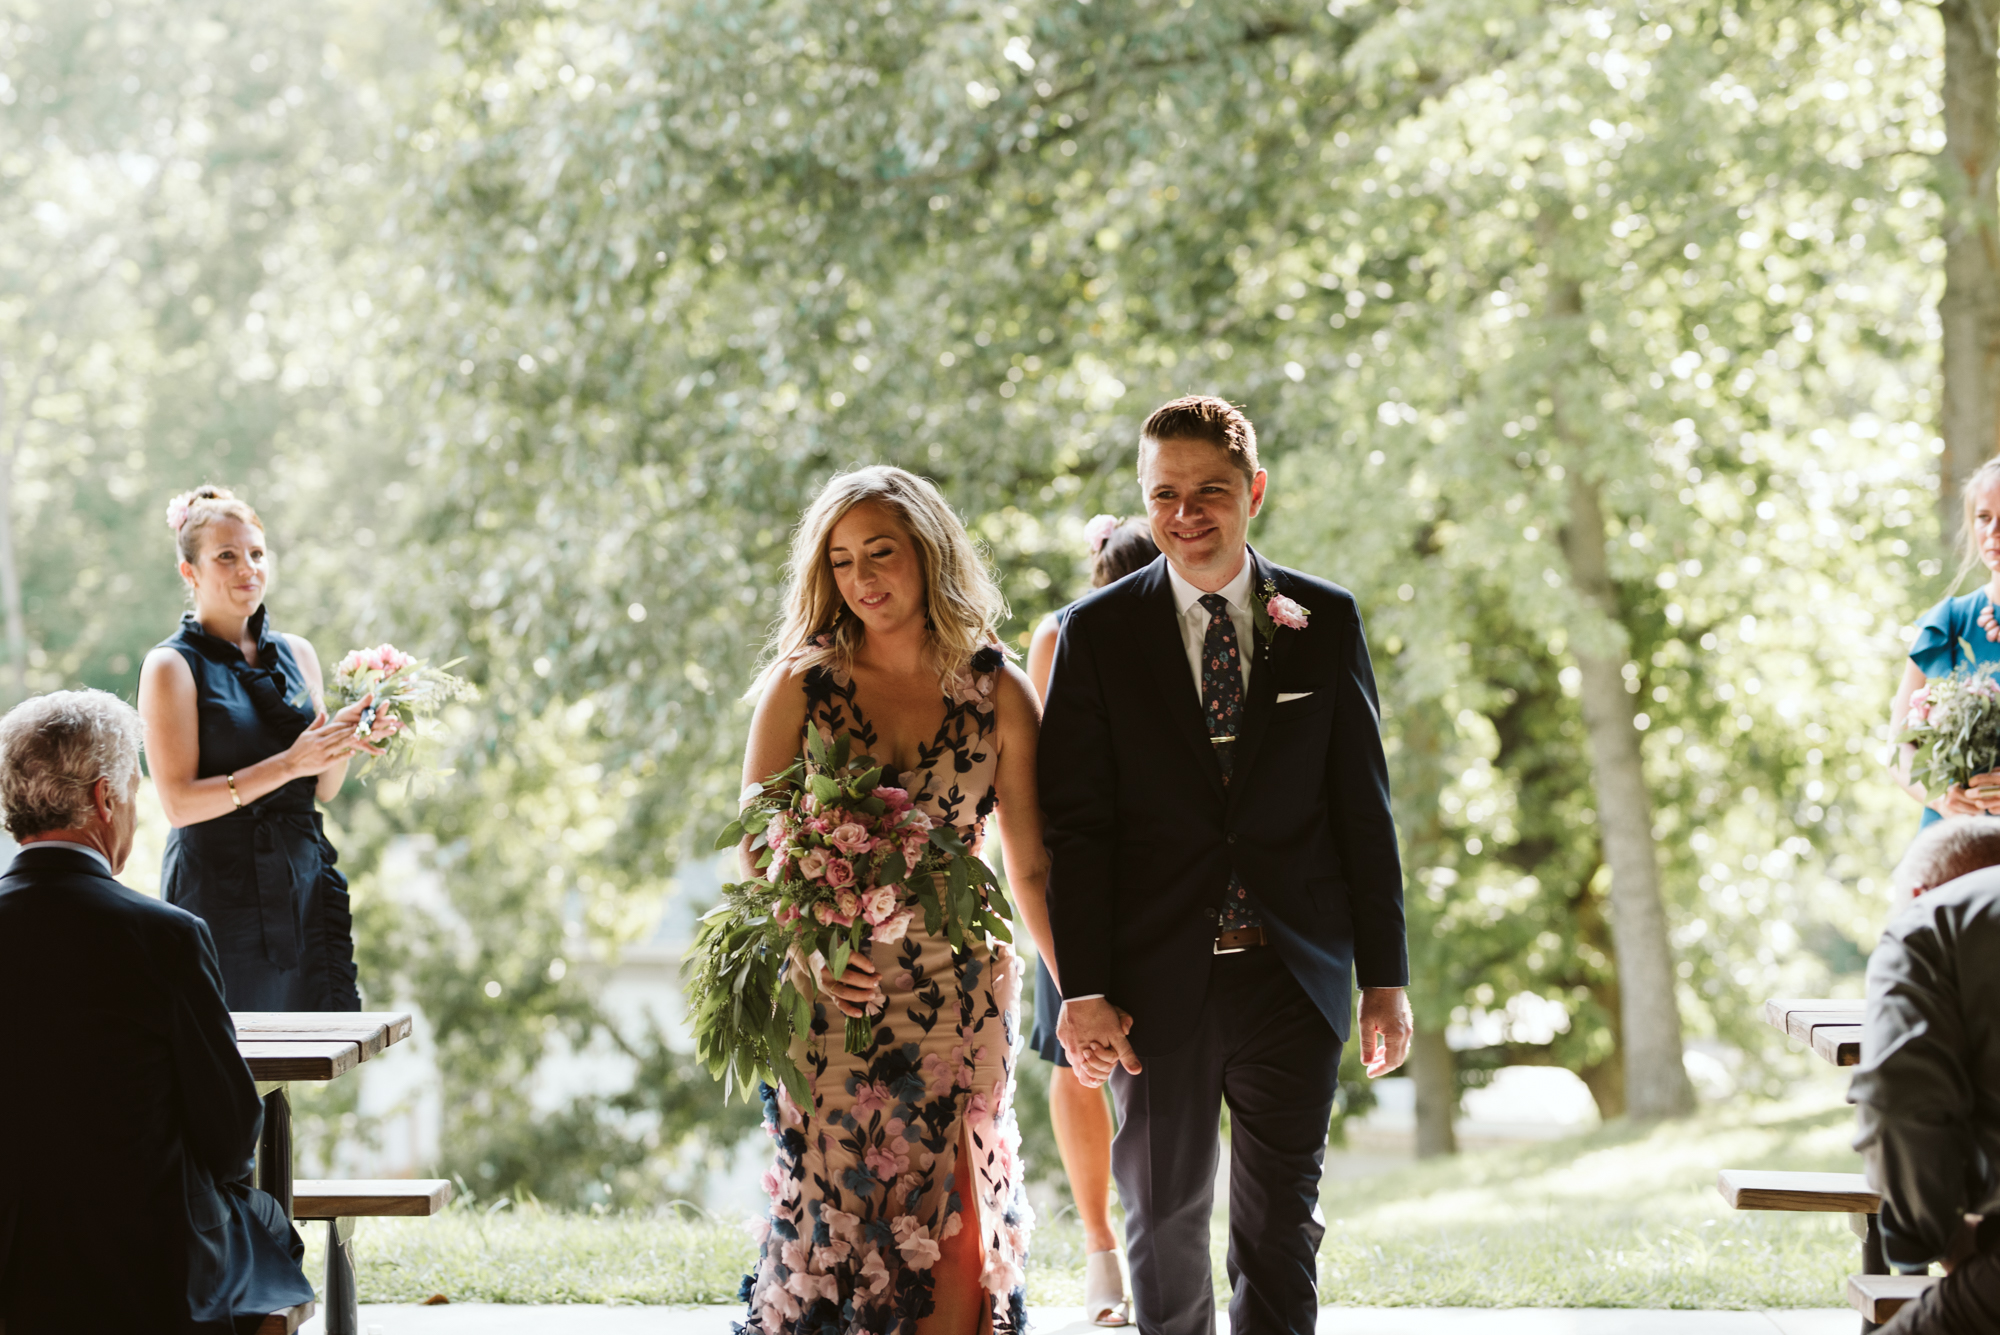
[1232, 836]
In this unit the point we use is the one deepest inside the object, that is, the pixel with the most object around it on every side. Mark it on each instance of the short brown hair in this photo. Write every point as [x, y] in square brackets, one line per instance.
[1205, 417]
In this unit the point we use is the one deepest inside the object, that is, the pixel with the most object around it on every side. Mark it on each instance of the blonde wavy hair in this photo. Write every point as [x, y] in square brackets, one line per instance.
[963, 604]
[1968, 538]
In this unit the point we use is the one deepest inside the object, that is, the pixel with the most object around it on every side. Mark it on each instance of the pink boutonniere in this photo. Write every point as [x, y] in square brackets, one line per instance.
[1282, 610]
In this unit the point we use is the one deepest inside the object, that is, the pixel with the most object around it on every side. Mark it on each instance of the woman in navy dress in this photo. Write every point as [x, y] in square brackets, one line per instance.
[239, 748]
[1954, 629]
[1080, 1115]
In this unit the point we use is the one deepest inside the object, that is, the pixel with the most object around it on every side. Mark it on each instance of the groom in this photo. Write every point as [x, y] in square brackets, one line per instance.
[1224, 869]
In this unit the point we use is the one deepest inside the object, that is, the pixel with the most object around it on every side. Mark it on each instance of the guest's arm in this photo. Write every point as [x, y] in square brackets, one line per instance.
[220, 1112]
[170, 714]
[1914, 1097]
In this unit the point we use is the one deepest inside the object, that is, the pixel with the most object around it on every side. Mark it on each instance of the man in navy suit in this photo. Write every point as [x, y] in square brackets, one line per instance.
[129, 1119]
[1224, 870]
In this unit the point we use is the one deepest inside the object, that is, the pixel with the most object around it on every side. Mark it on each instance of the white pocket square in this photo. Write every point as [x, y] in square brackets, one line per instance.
[1292, 695]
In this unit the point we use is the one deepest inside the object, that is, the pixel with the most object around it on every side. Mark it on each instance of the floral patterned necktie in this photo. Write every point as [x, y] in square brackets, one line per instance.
[1222, 707]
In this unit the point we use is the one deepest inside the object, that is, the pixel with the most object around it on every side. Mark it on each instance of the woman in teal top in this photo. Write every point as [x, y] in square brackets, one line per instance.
[1949, 630]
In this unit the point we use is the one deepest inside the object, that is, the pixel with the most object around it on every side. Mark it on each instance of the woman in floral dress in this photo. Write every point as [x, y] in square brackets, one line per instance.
[896, 1198]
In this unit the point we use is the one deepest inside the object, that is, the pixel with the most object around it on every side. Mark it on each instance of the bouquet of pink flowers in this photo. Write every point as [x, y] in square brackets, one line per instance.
[404, 695]
[847, 861]
[1954, 722]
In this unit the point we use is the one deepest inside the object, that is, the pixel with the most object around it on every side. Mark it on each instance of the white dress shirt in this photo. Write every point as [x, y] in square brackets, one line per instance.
[1194, 631]
[64, 843]
[1194, 619]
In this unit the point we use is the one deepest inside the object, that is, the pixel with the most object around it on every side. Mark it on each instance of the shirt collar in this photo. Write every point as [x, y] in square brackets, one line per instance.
[1236, 593]
[64, 843]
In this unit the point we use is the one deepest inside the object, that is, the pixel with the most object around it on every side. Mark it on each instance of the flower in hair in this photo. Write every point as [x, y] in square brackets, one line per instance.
[1098, 532]
[177, 511]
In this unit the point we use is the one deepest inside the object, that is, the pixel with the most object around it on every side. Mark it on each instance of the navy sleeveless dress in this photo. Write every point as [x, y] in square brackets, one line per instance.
[261, 877]
[1943, 635]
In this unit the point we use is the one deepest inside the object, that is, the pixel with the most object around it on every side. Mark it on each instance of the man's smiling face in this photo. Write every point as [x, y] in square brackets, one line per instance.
[1199, 505]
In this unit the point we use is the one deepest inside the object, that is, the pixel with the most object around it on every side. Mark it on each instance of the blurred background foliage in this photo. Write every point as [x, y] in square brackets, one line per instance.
[530, 327]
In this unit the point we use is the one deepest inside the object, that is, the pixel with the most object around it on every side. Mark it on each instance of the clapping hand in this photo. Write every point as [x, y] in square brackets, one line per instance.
[1093, 1035]
[327, 742]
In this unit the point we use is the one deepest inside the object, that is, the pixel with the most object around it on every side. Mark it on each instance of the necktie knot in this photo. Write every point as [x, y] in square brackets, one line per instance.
[1215, 605]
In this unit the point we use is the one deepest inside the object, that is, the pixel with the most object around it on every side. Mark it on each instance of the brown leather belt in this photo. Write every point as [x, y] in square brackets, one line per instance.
[1242, 938]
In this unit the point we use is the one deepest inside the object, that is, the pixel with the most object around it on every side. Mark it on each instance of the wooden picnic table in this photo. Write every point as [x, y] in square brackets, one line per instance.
[1830, 1028]
[281, 1047]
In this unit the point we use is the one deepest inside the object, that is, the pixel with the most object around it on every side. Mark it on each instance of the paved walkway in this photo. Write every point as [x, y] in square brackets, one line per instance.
[493, 1319]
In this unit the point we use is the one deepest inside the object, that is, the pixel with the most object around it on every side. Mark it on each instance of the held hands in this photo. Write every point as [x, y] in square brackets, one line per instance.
[1383, 1030]
[1093, 1035]
[857, 992]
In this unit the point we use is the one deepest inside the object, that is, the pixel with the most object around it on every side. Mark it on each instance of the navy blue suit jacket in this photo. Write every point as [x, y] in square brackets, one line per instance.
[128, 1120]
[1143, 833]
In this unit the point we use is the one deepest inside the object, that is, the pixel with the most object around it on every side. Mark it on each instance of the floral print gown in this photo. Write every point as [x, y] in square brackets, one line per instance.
[867, 1182]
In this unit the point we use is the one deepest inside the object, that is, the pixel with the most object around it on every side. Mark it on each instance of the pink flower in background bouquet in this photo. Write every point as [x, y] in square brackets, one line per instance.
[404, 695]
[1954, 724]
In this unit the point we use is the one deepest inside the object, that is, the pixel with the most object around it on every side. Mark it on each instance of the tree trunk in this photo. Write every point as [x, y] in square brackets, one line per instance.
[1970, 308]
[1605, 1077]
[1435, 1069]
[10, 574]
[1656, 1084]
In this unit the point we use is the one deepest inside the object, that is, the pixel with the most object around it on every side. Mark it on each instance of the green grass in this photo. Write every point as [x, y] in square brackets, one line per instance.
[1621, 1217]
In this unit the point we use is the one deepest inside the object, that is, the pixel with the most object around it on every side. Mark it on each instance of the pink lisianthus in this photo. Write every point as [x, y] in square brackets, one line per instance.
[913, 848]
[847, 907]
[787, 913]
[813, 864]
[1920, 704]
[893, 928]
[898, 799]
[878, 905]
[839, 871]
[826, 915]
[1286, 612]
[849, 838]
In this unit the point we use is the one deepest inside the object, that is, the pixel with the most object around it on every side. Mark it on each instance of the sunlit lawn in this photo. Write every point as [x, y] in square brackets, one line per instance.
[1621, 1217]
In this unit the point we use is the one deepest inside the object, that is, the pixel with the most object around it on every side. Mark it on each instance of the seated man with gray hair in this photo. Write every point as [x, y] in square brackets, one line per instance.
[1928, 1087]
[129, 1119]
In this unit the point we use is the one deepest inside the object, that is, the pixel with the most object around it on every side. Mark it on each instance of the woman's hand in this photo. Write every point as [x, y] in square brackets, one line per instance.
[1980, 796]
[858, 991]
[326, 742]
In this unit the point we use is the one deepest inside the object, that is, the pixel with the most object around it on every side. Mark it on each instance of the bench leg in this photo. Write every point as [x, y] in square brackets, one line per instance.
[343, 1307]
[1871, 1256]
[274, 1150]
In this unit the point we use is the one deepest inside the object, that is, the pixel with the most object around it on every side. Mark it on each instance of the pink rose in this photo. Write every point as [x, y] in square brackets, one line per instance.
[849, 838]
[839, 871]
[891, 930]
[1098, 531]
[878, 905]
[814, 863]
[897, 798]
[1286, 612]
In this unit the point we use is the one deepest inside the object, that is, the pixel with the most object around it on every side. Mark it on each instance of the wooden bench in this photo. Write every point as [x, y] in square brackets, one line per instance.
[285, 1322]
[1832, 1029]
[1879, 1297]
[340, 1204]
[1819, 1193]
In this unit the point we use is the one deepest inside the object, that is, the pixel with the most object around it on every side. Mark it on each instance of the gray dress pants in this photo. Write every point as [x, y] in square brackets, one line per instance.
[1264, 1049]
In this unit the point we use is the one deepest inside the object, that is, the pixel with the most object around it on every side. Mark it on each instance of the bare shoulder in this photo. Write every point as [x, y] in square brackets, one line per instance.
[1014, 697]
[302, 650]
[782, 693]
[165, 670]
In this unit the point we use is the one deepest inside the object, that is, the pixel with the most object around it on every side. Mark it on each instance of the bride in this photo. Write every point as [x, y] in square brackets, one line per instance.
[896, 1198]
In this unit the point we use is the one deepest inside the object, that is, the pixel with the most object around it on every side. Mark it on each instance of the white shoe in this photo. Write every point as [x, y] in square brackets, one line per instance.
[1104, 1301]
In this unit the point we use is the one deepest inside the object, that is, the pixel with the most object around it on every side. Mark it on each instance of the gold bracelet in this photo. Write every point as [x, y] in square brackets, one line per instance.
[234, 796]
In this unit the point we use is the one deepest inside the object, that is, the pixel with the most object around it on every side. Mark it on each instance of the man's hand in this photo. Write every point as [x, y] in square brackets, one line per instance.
[1384, 1029]
[1092, 1033]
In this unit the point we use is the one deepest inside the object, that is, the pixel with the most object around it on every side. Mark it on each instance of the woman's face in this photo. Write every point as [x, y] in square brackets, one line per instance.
[1986, 523]
[233, 571]
[876, 568]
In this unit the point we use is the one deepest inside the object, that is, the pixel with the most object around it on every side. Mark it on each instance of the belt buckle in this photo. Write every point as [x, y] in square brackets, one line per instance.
[1220, 949]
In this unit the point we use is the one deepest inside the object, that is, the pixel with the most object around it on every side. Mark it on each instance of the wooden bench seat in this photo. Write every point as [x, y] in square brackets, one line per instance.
[1879, 1297]
[373, 1198]
[1822, 1193]
[287, 1321]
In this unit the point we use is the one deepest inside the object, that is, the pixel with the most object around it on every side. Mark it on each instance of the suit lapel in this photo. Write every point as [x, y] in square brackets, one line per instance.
[1160, 644]
[1262, 696]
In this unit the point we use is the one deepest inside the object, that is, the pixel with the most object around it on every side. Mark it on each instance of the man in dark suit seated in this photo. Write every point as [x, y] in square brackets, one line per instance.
[1928, 1086]
[129, 1120]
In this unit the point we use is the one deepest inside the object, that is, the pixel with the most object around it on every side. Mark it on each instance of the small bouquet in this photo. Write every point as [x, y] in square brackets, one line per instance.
[1954, 722]
[847, 862]
[408, 693]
